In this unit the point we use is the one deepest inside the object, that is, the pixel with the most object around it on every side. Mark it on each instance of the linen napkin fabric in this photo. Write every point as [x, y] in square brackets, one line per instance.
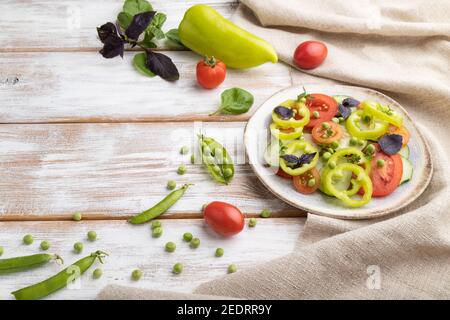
[401, 48]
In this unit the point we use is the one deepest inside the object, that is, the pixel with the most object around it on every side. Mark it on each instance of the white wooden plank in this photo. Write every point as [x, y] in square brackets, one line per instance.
[84, 87]
[133, 247]
[115, 170]
[71, 24]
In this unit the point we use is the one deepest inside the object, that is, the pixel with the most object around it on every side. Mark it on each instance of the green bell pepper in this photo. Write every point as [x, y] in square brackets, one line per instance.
[345, 155]
[361, 130]
[299, 108]
[298, 147]
[206, 32]
[361, 177]
[382, 113]
[285, 133]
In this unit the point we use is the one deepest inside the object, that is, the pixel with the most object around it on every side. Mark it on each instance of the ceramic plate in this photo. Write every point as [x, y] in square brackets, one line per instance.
[257, 134]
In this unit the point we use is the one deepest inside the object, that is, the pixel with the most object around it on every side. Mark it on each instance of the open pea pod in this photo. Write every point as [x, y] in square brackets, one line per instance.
[216, 160]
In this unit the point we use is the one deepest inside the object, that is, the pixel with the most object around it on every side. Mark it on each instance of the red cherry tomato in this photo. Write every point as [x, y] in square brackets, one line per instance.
[325, 105]
[301, 182]
[387, 178]
[283, 174]
[224, 218]
[310, 54]
[210, 72]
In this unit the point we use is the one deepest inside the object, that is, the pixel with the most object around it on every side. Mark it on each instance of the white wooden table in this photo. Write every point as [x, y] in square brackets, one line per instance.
[82, 133]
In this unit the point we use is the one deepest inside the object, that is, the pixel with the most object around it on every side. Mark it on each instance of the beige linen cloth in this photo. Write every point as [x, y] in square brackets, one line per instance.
[401, 48]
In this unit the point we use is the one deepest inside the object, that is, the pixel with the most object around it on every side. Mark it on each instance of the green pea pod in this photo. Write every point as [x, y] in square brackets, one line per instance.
[60, 280]
[18, 264]
[160, 207]
[216, 160]
[206, 32]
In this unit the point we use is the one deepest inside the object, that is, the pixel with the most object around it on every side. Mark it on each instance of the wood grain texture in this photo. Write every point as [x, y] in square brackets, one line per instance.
[84, 87]
[116, 170]
[66, 25]
[132, 247]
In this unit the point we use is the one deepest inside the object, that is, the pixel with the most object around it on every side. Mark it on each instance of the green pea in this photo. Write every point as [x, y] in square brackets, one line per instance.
[316, 115]
[171, 184]
[326, 125]
[97, 274]
[227, 172]
[156, 224]
[181, 169]
[332, 164]
[335, 120]
[252, 222]
[219, 252]
[367, 119]
[195, 243]
[136, 274]
[370, 149]
[28, 239]
[209, 159]
[341, 120]
[171, 246]
[353, 141]
[311, 182]
[360, 142]
[76, 216]
[177, 268]
[1, 250]
[192, 158]
[187, 236]
[184, 150]
[78, 247]
[92, 235]
[380, 163]
[265, 213]
[216, 168]
[232, 268]
[45, 245]
[157, 232]
[206, 150]
[326, 155]
[334, 145]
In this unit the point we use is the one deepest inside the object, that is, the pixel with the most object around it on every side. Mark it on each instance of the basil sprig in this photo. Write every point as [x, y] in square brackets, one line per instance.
[235, 101]
[137, 21]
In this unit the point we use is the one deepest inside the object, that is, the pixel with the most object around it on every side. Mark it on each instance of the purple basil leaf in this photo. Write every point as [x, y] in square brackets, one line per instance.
[162, 65]
[283, 112]
[344, 111]
[306, 158]
[391, 143]
[350, 102]
[139, 23]
[291, 160]
[113, 47]
[106, 30]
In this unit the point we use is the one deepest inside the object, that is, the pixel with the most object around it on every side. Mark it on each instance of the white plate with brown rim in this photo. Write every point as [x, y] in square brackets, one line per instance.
[257, 133]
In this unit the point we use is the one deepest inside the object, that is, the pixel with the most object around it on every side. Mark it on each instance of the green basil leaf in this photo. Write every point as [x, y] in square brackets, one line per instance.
[172, 36]
[124, 20]
[235, 101]
[140, 64]
[159, 20]
[133, 7]
[148, 41]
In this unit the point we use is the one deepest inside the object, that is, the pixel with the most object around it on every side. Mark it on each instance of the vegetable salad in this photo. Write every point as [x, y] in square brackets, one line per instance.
[348, 149]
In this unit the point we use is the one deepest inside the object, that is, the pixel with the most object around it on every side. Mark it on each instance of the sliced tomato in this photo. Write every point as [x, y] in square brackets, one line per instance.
[326, 136]
[325, 105]
[301, 182]
[283, 174]
[287, 130]
[401, 131]
[387, 178]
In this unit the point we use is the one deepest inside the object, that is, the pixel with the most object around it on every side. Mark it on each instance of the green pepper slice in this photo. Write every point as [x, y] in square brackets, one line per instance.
[382, 113]
[361, 177]
[283, 134]
[299, 108]
[346, 155]
[294, 147]
[358, 129]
